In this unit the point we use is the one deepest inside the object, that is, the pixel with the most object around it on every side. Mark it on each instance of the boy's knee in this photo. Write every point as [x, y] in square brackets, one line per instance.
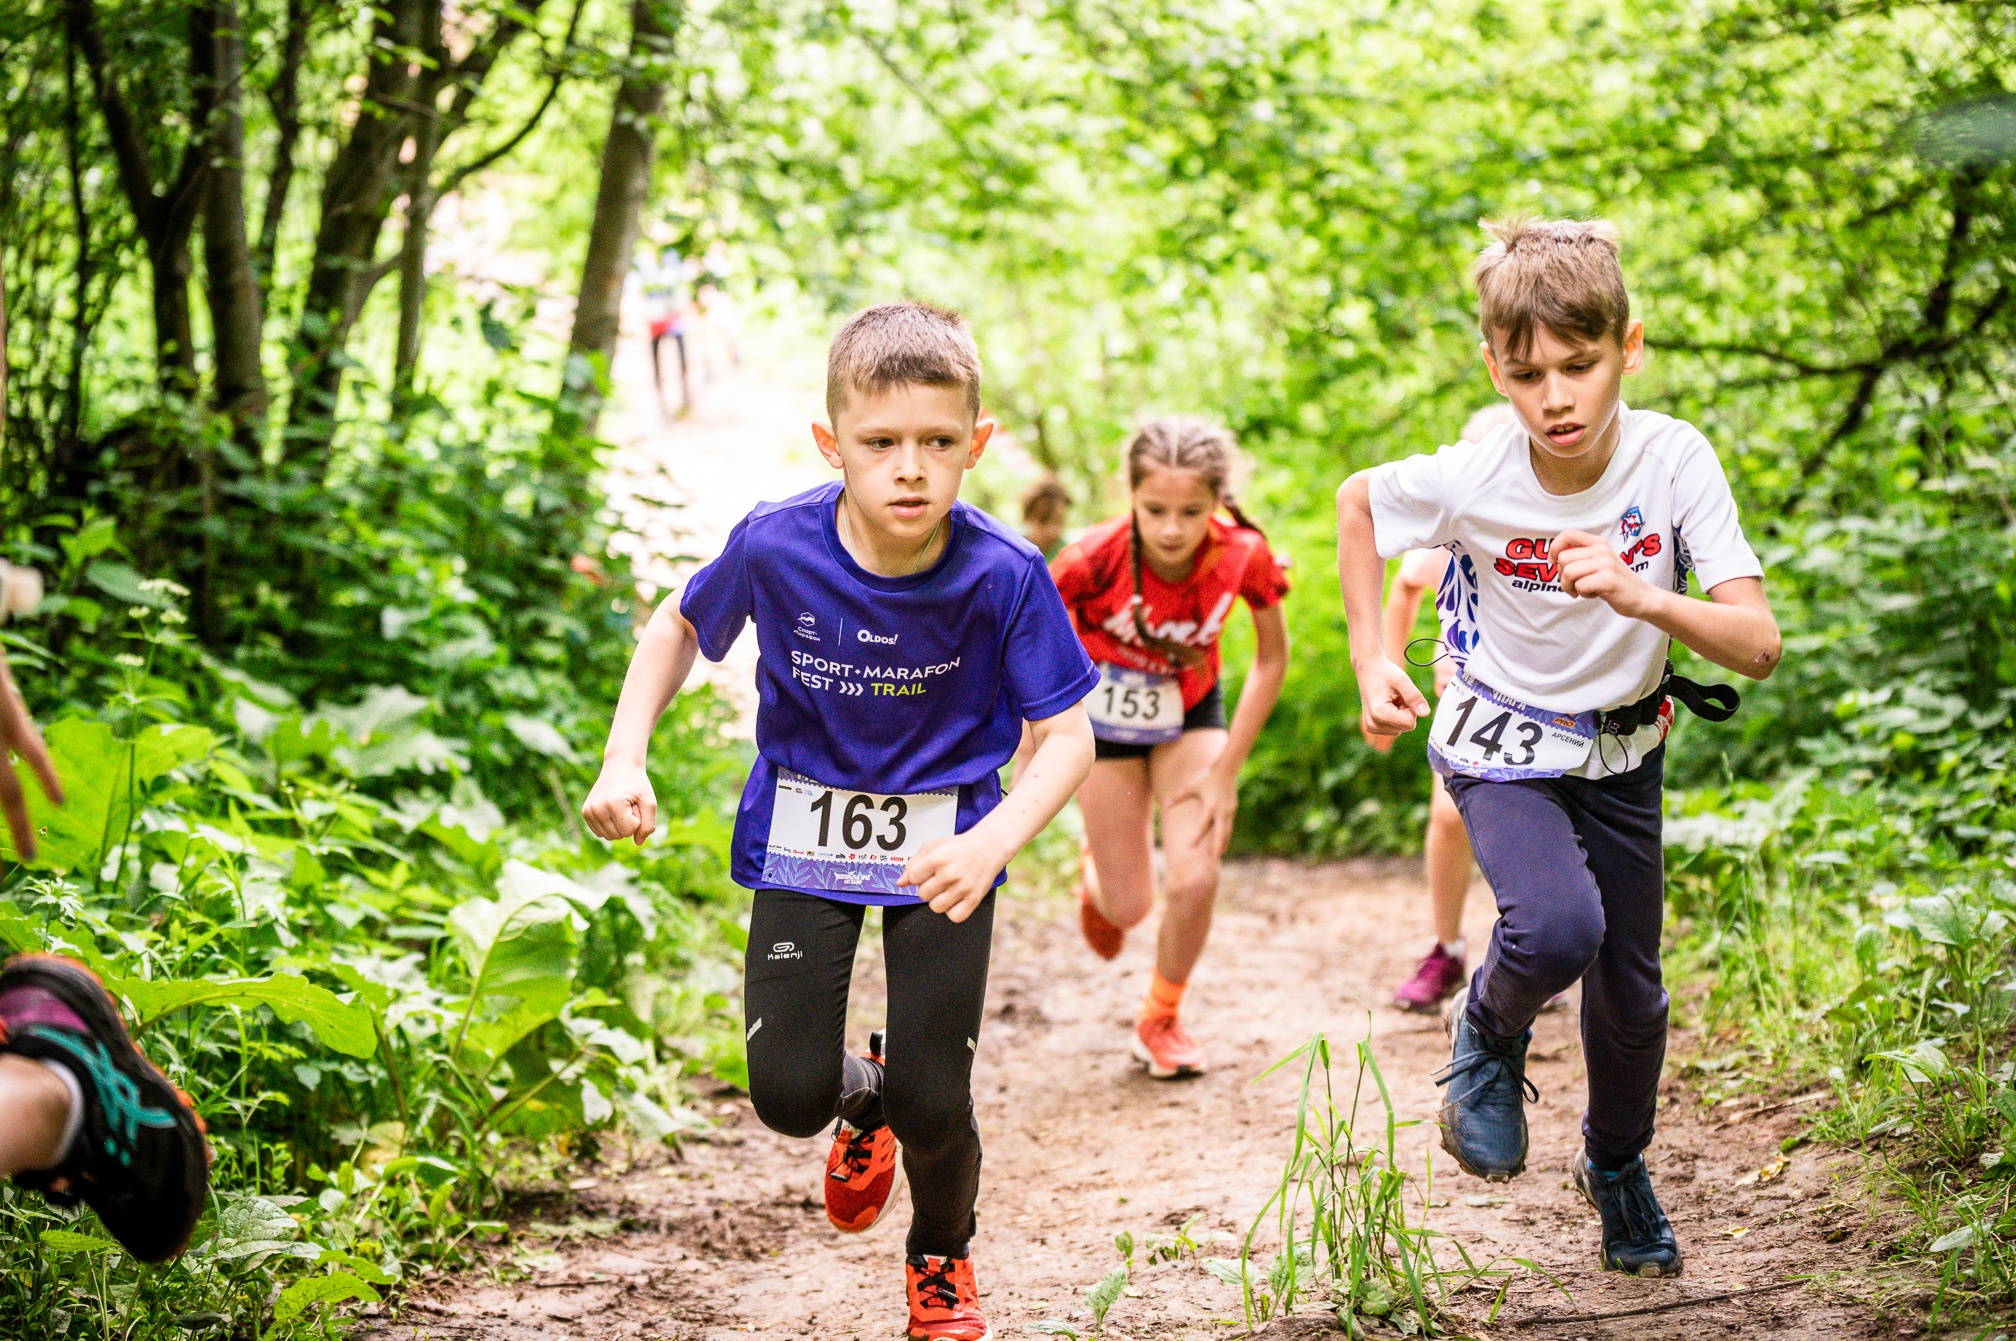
[926, 1121]
[1562, 949]
[797, 1104]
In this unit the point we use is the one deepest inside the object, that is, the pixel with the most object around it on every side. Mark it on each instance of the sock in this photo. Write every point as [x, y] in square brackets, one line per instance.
[1454, 949]
[1606, 1165]
[1164, 997]
[75, 1122]
[861, 1093]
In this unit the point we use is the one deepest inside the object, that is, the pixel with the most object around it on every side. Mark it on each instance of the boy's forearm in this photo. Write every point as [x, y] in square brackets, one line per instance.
[1736, 633]
[1360, 571]
[658, 670]
[1060, 764]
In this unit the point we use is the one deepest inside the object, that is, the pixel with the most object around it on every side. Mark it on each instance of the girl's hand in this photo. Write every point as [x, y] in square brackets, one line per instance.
[1218, 792]
[953, 874]
[622, 805]
[1589, 567]
[1391, 704]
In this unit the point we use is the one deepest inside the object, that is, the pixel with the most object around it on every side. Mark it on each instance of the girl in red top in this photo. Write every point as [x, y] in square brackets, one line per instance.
[1149, 593]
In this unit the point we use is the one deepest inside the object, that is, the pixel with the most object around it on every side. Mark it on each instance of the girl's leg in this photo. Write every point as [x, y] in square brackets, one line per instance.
[1115, 804]
[937, 993]
[796, 972]
[1190, 882]
[1448, 862]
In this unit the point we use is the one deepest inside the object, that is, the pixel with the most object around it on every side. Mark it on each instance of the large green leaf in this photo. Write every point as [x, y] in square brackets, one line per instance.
[341, 1027]
[333, 1288]
[102, 779]
[519, 950]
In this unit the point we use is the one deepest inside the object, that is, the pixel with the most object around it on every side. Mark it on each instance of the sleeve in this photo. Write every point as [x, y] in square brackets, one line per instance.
[1071, 571]
[718, 599]
[1706, 529]
[1044, 664]
[1413, 503]
[1265, 580]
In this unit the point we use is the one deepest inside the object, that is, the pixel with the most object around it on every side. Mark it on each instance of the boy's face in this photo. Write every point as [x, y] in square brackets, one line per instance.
[903, 452]
[1565, 391]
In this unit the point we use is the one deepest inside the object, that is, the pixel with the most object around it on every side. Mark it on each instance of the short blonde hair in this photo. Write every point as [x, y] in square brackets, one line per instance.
[1562, 274]
[902, 344]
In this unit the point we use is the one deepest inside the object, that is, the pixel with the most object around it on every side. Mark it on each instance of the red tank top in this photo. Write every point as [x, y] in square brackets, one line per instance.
[1096, 576]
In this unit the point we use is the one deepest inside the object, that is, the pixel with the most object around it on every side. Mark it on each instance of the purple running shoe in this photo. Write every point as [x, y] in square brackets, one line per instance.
[1437, 975]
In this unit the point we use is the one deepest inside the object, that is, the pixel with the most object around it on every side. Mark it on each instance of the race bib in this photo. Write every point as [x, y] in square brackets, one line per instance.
[1131, 707]
[852, 842]
[1480, 733]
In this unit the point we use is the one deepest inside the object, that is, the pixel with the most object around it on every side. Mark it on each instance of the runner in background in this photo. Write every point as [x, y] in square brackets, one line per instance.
[1046, 508]
[1150, 593]
[1447, 848]
[661, 282]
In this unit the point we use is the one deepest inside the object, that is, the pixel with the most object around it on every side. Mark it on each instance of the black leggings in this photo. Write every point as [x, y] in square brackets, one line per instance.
[796, 974]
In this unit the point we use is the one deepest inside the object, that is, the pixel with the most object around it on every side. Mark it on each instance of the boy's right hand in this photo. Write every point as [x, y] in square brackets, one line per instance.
[1391, 702]
[622, 805]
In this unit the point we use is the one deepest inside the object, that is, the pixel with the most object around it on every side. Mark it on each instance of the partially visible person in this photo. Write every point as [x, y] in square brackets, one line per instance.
[1150, 593]
[1046, 509]
[668, 313]
[83, 1115]
[1447, 848]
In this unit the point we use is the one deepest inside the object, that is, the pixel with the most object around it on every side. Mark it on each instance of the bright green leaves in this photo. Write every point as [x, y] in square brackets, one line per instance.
[520, 951]
[339, 1026]
[104, 783]
[334, 1288]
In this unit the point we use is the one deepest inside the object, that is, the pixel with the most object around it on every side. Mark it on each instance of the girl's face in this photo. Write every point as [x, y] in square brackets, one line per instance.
[1173, 509]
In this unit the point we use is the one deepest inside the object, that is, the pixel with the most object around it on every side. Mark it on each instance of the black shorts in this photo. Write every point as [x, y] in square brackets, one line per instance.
[1208, 715]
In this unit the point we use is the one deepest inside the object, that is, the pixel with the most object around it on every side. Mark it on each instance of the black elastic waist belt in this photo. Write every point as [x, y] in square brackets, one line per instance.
[1710, 702]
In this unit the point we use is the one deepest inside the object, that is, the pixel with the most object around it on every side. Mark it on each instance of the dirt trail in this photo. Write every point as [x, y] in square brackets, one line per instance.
[1080, 1144]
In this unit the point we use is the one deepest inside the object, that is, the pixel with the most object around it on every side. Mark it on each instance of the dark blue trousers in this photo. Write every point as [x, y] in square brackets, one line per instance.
[1580, 874]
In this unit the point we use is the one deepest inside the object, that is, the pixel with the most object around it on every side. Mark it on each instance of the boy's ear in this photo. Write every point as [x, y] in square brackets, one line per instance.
[828, 445]
[1634, 347]
[982, 433]
[1491, 362]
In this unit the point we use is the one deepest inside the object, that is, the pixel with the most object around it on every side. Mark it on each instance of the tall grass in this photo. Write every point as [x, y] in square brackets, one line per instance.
[1341, 1214]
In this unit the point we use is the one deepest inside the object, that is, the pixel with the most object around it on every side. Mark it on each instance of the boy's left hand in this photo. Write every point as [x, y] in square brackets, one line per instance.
[1218, 793]
[953, 874]
[1589, 567]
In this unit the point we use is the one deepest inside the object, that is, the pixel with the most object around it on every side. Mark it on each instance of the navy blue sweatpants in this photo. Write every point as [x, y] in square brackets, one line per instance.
[1580, 876]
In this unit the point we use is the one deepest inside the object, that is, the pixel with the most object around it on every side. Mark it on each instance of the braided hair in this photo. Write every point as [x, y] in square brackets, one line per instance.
[1178, 442]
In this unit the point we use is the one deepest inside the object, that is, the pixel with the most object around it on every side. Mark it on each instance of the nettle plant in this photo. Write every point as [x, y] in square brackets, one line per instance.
[370, 980]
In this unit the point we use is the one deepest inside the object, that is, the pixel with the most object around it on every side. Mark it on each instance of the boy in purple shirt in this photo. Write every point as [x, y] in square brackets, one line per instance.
[905, 638]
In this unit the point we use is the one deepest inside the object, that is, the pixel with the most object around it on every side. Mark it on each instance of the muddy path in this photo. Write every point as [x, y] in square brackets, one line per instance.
[730, 1243]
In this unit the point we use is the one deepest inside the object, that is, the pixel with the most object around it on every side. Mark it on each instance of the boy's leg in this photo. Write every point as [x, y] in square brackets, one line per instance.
[35, 1110]
[1623, 996]
[796, 973]
[937, 993]
[1550, 911]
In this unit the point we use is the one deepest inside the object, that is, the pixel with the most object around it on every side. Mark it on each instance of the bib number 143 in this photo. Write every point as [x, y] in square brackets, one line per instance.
[1484, 734]
[857, 842]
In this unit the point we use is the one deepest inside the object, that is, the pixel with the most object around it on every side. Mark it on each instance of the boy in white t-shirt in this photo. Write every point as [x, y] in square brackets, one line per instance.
[1572, 531]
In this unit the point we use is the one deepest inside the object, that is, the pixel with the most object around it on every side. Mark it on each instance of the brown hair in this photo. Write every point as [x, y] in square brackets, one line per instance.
[1046, 498]
[902, 344]
[1179, 442]
[1562, 274]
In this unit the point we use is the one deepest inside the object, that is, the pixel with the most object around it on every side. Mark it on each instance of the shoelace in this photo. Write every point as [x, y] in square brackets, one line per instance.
[936, 1290]
[1636, 1207]
[1497, 1069]
[857, 1154]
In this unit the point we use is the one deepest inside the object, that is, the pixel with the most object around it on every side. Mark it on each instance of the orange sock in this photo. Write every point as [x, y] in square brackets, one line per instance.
[1164, 997]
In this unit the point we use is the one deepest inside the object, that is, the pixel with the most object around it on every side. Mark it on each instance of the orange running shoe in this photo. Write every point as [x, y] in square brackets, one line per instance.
[1166, 1047]
[860, 1167]
[1104, 938]
[944, 1300]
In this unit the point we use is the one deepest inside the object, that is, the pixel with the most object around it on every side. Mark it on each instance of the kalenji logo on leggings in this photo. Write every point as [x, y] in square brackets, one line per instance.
[786, 950]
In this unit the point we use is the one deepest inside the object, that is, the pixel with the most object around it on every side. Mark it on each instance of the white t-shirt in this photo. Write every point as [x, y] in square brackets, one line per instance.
[1663, 501]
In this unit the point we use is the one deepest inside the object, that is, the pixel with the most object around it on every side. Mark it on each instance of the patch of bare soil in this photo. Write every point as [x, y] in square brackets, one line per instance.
[731, 1242]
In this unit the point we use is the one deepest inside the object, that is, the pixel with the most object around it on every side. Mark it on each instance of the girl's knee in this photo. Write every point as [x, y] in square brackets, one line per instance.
[927, 1122]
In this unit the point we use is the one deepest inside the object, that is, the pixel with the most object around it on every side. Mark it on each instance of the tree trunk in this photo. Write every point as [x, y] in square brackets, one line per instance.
[356, 196]
[238, 382]
[283, 96]
[612, 238]
[163, 219]
[419, 212]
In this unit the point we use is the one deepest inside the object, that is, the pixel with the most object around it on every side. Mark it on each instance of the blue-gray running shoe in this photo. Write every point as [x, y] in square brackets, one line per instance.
[1637, 1237]
[1484, 1112]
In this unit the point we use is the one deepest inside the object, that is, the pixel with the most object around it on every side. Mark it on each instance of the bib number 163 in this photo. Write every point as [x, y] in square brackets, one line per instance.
[832, 838]
[863, 822]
